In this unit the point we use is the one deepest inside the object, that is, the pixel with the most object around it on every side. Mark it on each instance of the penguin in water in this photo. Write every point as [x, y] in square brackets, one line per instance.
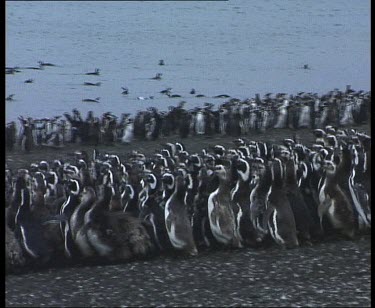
[221, 211]
[279, 214]
[176, 219]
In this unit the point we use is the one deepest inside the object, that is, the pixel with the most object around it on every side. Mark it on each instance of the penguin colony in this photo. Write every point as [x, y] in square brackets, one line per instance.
[234, 118]
[103, 209]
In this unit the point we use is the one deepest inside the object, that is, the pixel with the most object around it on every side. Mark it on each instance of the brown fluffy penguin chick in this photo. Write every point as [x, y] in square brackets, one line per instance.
[115, 236]
[14, 258]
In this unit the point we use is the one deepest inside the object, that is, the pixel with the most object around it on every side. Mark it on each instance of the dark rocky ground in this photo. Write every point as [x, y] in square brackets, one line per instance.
[333, 273]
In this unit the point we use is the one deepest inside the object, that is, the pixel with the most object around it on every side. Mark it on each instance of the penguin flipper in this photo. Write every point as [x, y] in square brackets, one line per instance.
[267, 215]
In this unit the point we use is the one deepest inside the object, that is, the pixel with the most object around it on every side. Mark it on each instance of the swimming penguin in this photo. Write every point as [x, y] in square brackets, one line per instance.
[176, 219]
[96, 72]
[167, 91]
[41, 63]
[10, 97]
[334, 203]
[279, 214]
[222, 96]
[221, 211]
[97, 84]
[158, 76]
[90, 100]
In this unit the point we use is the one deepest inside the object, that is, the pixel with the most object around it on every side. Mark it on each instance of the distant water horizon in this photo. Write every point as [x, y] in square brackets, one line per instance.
[238, 48]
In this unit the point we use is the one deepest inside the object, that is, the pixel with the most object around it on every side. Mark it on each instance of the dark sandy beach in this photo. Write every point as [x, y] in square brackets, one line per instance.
[332, 273]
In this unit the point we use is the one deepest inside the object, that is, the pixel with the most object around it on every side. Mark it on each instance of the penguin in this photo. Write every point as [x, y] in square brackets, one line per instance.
[279, 215]
[335, 204]
[129, 199]
[114, 236]
[14, 256]
[240, 196]
[128, 132]
[296, 200]
[221, 211]
[357, 190]
[28, 228]
[87, 199]
[283, 115]
[203, 236]
[176, 219]
[261, 181]
[153, 208]
[23, 176]
[73, 188]
[96, 72]
[200, 123]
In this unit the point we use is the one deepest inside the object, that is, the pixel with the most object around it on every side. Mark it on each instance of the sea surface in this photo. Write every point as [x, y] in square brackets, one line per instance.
[235, 47]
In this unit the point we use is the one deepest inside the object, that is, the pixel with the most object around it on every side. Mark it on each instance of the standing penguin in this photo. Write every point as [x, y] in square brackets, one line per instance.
[128, 132]
[200, 123]
[279, 215]
[240, 195]
[177, 221]
[261, 180]
[296, 200]
[334, 203]
[221, 213]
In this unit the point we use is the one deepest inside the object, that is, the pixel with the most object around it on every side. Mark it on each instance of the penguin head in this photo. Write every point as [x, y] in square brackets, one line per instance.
[221, 172]
[168, 180]
[329, 167]
[88, 193]
[72, 186]
[243, 169]
[39, 182]
[23, 179]
[43, 166]
[278, 172]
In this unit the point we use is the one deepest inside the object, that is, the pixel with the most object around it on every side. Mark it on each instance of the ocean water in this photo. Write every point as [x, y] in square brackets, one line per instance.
[235, 47]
